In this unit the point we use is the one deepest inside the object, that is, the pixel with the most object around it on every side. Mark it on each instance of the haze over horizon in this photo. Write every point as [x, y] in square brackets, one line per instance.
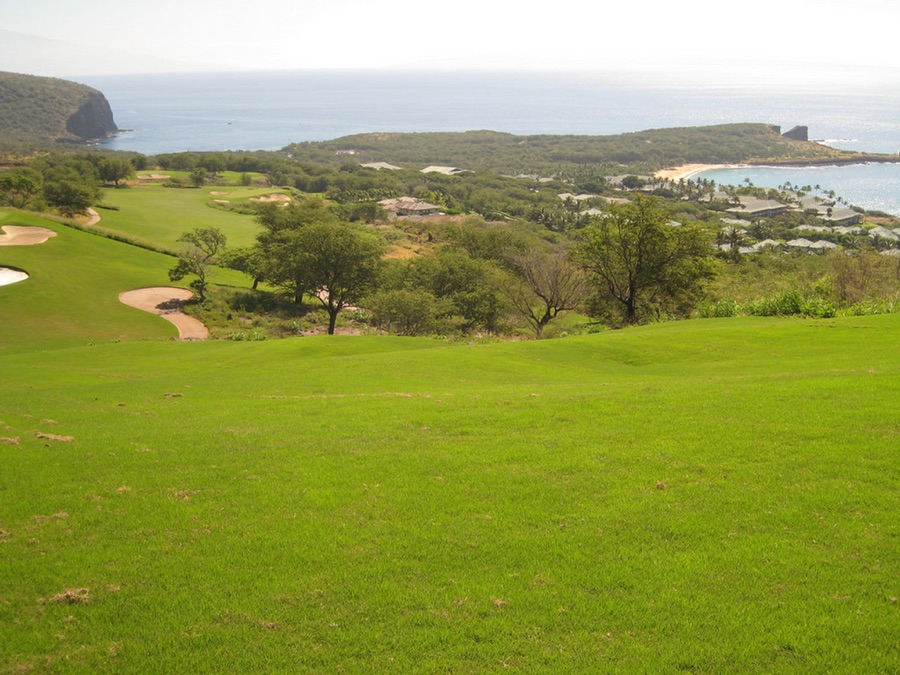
[790, 40]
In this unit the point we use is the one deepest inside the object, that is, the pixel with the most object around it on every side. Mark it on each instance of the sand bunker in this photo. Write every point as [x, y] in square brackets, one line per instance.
[20, 235]
[9, 276]
[272, 198]
[167, 301]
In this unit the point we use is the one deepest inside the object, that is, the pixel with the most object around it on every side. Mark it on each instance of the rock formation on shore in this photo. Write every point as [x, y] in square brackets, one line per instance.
[94, 119]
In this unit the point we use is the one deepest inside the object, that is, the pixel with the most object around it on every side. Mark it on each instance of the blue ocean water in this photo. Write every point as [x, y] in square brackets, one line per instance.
[875, 187]
[267, 111]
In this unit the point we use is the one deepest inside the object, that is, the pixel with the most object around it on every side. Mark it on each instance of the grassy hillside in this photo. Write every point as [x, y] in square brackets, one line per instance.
[502, 152]
[711, 496]
[35, 111]
[708, 496]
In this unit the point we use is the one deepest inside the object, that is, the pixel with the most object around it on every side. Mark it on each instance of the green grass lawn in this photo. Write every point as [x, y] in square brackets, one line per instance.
[160, 215]
[706, 496]
[71, 296]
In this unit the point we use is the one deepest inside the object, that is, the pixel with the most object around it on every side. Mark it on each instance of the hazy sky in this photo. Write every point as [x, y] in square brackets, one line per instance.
[764, 35]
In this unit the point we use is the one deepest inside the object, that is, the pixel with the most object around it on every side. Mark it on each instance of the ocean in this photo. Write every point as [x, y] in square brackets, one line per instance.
[269, 110]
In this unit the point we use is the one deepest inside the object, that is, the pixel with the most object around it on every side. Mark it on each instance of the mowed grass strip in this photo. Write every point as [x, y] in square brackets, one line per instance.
[715, 496]
[158, 214]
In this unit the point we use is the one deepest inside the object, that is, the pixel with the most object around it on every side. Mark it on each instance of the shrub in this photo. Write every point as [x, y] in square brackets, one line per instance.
[719, 309]
[792, 303]
[412, 312]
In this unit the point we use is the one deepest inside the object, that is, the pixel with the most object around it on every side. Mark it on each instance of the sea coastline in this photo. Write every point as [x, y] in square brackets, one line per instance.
[269, 111]
[688, 171]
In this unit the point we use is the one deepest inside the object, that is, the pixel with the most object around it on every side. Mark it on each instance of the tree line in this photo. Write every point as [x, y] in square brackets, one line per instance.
[67, 182]
[477, 278]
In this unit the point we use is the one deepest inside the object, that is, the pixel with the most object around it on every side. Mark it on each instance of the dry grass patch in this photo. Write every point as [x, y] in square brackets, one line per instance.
[72, 596]
[54, 437]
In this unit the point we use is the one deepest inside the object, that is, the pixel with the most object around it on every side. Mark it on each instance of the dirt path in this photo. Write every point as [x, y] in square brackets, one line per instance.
[167, 301]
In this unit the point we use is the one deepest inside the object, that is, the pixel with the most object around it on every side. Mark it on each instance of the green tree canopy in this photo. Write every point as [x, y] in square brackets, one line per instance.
[470, 284]
[278, 258]
[114, 170]
[641, 261]
[18, 187]
[337, 262]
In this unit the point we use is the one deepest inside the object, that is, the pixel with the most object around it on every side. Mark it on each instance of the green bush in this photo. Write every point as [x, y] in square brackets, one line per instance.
[718, 310]
[792, 303]
[870, 307]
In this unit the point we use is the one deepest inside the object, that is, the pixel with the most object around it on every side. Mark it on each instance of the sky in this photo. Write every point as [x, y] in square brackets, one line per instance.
[760, 37]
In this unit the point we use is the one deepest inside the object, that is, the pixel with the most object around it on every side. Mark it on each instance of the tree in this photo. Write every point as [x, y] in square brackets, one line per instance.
[278, 257]
[246, 259]
[640, 260]
[632, 183]
[545, 285]
[213, 163]
[412, 312]
[198, 177]
[17, 189]
[112, 170]
[733, 239]
[338, 263]
[204, 244]
[70, 197]
[469, 284]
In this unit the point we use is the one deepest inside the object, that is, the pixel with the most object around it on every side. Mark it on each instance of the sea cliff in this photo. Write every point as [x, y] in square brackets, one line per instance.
[42, 111]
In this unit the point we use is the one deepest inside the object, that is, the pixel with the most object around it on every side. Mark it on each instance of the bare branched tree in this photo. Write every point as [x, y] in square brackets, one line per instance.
[545, 285]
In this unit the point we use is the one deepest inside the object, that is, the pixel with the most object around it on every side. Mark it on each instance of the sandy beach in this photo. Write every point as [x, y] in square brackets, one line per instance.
[686, 171]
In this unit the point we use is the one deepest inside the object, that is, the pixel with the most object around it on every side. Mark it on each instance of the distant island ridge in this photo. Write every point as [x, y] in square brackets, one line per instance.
[44, 112]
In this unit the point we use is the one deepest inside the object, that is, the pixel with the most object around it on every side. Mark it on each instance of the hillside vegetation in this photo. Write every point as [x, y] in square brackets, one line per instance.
[36, 112]
[507, 153]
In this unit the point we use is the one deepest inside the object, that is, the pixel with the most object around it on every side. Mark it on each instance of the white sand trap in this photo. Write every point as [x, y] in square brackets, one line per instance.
[166, 301]
[20, 235]
[10, 276]
[272, 198]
